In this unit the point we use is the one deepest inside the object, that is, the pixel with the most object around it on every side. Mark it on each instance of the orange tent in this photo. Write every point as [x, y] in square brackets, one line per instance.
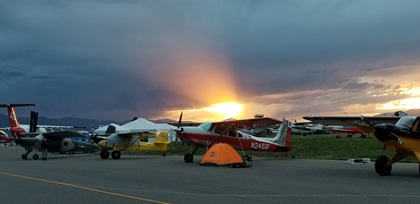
[222, 154]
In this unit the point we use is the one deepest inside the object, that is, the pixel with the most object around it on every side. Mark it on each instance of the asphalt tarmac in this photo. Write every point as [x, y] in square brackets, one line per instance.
[85, 178]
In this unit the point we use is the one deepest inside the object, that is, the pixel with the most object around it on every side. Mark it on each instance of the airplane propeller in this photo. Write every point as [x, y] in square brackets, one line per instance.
[382, 128]
[180, 129]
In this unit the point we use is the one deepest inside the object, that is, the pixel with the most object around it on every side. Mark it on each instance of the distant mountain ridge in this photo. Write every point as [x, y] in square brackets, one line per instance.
[88, 124]
[69, 121]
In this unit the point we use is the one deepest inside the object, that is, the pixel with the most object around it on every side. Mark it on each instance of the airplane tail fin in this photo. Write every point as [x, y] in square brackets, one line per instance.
[34, 121]
[11, 113]
[284, 133]
[162, 138]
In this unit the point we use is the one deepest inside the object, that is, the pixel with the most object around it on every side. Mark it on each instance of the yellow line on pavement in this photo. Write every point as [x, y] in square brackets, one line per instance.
[85, 188]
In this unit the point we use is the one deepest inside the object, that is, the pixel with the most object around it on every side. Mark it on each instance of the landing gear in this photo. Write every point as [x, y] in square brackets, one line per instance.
[381, 167]
[35, 157]
[116, 154]
[104, 154]
[164, 154]
[247, 158]
[25, 156]
[188, 158]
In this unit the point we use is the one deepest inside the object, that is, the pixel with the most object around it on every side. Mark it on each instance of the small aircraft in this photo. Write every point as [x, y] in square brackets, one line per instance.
[399, 134]
[4, 138]
[305, 128]
[342, 129]
[57, 141]
[125, 139]
[207, 134]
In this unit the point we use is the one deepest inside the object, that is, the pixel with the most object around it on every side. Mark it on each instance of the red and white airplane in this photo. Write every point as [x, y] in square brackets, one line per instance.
[207, 134]
[345, 129]
[19, 130]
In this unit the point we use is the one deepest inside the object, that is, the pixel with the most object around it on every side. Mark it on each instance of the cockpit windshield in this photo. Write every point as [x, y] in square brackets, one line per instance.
[406, 121]
[205, 126]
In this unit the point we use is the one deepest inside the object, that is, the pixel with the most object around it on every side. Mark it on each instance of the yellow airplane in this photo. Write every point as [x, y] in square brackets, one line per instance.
[397, 134]
[133, 141]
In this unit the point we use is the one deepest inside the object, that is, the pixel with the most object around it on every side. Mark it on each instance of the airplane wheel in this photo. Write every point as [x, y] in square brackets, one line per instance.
[189, 158]
[380, 166]
[104, 154]
[116, 154]
[164, 154]
[24, 156]
[35, 157]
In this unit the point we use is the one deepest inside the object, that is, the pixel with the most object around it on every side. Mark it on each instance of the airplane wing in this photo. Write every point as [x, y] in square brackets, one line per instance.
[57, 126]
[355, 121]
[251, 123]
[142, 134]
[61, 134]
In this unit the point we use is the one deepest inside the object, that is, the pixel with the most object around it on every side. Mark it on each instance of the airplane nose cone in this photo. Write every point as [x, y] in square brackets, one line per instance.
[102, 143]
[383, 132]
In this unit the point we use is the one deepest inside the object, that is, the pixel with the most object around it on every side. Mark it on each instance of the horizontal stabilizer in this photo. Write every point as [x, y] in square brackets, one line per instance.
[16, 105]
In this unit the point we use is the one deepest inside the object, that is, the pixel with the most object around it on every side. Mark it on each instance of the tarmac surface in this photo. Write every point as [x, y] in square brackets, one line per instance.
[86, 178]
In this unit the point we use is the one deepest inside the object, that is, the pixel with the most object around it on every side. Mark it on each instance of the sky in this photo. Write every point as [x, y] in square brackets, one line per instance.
[107, 59]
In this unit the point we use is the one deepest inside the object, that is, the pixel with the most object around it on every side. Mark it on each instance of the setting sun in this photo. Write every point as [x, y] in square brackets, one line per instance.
[229, 109]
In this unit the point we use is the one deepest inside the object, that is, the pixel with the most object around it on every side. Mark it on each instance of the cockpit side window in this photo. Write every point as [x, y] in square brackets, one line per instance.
[223, 128]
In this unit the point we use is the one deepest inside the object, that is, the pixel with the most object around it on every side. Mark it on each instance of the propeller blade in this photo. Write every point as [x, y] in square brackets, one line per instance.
[368, 121]
[180, 120]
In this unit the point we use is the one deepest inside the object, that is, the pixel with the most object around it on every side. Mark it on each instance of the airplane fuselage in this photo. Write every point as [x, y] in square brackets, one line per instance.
[65, 145]
[114, 141]
[202, 138]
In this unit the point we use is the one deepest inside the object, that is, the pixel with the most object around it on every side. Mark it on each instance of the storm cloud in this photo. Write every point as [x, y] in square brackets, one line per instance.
[116, 59]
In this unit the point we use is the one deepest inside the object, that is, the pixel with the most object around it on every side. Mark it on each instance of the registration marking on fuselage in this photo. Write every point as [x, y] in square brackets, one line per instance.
[84, 188]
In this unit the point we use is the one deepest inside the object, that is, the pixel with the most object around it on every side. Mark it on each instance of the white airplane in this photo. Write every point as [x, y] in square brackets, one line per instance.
[137, 135]
[305, 128]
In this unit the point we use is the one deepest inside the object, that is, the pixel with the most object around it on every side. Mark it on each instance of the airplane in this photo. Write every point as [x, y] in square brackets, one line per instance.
[207, 134]
[23, 130]
[399, 134]
[4, 138]
[131, 141]
[57, 141]
[305, 128]
[341, 129]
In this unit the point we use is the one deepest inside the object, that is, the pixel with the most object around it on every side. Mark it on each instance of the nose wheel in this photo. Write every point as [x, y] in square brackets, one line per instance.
[381, 166]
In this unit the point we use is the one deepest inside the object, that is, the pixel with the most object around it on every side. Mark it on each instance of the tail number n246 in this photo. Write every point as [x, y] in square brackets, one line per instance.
[257, 145]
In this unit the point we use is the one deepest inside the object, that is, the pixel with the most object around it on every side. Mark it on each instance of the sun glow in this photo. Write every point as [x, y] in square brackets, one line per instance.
[403, 104]
[228, 109]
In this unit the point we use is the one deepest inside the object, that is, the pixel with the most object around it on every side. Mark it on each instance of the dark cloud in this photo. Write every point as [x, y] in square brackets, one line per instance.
[113, 59]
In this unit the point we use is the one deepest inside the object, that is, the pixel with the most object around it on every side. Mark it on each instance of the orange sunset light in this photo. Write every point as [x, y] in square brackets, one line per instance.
[228, 109]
